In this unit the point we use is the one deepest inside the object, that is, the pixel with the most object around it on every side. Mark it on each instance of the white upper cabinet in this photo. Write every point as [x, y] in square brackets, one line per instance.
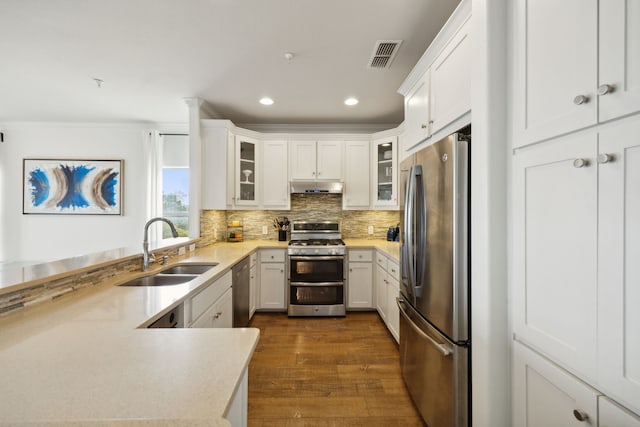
[437, 92]
[246, 171]
[619, 263]
[577, 63]
[385, 173]
[217, 190]
[329, 162]
[556, 58]
[555, 242]
[275, 179]
[357, 176]
[451, 80]
[302, 155]
[311, 160]
[619, 65]
[416, 112]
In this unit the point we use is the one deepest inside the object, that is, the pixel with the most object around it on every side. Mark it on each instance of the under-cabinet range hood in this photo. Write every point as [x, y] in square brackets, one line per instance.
[317, 187]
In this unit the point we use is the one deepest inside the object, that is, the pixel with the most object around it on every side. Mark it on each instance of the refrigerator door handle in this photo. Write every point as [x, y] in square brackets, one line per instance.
[446, 351]
[420, 220]
[409, 259]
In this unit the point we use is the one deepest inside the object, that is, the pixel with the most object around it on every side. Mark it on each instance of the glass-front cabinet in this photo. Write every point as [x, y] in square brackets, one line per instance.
[246, 171]
[385, 171]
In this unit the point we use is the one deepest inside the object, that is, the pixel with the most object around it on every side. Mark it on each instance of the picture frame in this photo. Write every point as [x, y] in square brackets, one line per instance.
[72, 186]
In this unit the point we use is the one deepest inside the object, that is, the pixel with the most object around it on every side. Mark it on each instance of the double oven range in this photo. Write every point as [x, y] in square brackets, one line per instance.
[316, 273]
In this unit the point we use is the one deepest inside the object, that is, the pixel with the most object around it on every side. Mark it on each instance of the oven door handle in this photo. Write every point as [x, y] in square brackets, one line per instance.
[315, 284]
[316, 258]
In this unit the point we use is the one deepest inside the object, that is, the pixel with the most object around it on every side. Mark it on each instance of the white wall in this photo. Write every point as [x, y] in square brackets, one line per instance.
[46, 237]
[489, 313]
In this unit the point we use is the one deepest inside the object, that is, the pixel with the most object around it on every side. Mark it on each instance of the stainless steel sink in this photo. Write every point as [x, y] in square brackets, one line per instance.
[189, 268]
[161, 280]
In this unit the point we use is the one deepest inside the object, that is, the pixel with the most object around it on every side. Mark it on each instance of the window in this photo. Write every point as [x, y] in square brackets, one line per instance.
[175, 183]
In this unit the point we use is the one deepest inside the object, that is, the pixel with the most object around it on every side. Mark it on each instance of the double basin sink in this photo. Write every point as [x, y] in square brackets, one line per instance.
[176, 275]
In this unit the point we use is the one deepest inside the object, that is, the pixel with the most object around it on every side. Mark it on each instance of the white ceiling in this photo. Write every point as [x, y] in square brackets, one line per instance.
[153, 53]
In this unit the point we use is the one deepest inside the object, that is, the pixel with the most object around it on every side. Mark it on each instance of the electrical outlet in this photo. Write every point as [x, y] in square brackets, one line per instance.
[181, 250]
[192, 247]
[265, 229]
[370, 229]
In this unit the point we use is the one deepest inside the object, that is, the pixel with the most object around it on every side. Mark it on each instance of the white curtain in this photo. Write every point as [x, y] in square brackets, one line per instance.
[153, 155]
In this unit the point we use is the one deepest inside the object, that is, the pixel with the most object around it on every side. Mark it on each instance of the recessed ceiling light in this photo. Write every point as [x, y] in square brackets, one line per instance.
[266, 101]
[351, 101]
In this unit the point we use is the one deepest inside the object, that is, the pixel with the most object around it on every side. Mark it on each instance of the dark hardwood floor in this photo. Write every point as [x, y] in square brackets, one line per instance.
[327, 372]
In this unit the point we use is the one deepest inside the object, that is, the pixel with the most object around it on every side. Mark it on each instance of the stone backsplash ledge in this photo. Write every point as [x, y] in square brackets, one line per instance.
[304, 207]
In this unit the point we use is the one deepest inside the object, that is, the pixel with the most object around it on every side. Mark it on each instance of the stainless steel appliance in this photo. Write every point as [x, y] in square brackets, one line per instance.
[240, 293]
[316, 279]
[434, 301]
[172, 319]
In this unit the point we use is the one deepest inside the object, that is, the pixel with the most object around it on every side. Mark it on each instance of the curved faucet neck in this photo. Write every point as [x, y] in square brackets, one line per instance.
[145, 240]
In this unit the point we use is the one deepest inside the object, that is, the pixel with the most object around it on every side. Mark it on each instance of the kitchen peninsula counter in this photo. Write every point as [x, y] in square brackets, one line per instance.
[87, 358]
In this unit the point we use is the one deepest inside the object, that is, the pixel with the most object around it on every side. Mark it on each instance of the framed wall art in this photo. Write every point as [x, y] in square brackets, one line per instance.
[75, 187]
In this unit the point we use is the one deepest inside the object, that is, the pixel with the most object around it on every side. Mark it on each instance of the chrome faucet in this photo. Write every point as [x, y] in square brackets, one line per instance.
[145, 241]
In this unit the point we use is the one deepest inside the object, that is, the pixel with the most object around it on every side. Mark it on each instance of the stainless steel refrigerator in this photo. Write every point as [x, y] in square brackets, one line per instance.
[434, 300]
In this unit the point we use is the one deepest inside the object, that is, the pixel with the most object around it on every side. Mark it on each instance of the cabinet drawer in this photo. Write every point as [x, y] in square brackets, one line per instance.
[381, 260]
[360, 256]
[272, 255]
[201, 302]
[393, 269]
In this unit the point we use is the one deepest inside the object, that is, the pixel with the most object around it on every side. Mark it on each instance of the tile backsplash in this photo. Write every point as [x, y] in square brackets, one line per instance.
[304, 207]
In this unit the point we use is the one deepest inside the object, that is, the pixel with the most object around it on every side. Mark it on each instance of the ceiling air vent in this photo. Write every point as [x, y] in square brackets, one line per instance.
[383, 53]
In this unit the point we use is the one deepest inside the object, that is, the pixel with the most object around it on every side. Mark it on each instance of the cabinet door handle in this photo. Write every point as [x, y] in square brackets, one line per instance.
[580, 415]
[351, 269]
[218, 314]
[605, 158]
[423, 126]
[581, 99]
[578, 163]
[605, 89]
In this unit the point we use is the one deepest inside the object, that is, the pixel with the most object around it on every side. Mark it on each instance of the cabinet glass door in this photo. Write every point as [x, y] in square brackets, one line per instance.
[385, 172]
[246, 172]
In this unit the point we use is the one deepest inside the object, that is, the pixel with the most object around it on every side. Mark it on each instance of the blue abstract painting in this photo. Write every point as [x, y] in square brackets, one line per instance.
[54, 186]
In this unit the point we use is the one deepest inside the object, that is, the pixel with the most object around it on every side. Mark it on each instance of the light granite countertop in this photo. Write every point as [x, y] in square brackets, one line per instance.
[86, 358]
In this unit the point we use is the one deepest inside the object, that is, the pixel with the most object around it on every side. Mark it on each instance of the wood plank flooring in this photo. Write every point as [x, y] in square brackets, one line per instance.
[327, 372]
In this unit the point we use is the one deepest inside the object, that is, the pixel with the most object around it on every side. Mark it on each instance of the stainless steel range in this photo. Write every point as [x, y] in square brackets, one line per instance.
[316, 270]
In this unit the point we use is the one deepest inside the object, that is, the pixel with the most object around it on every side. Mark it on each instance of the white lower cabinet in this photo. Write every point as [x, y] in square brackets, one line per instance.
[237, 411]
[360, 279]
[547, 396]
[219, 315]
[212, 307]
[273, 279]
[387, 287]
[381, 292]
[393, 312]
[612, 415]
[253, 284]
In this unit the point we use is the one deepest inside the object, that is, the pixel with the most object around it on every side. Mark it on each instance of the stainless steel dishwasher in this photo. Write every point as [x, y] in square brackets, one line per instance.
[240, 293]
